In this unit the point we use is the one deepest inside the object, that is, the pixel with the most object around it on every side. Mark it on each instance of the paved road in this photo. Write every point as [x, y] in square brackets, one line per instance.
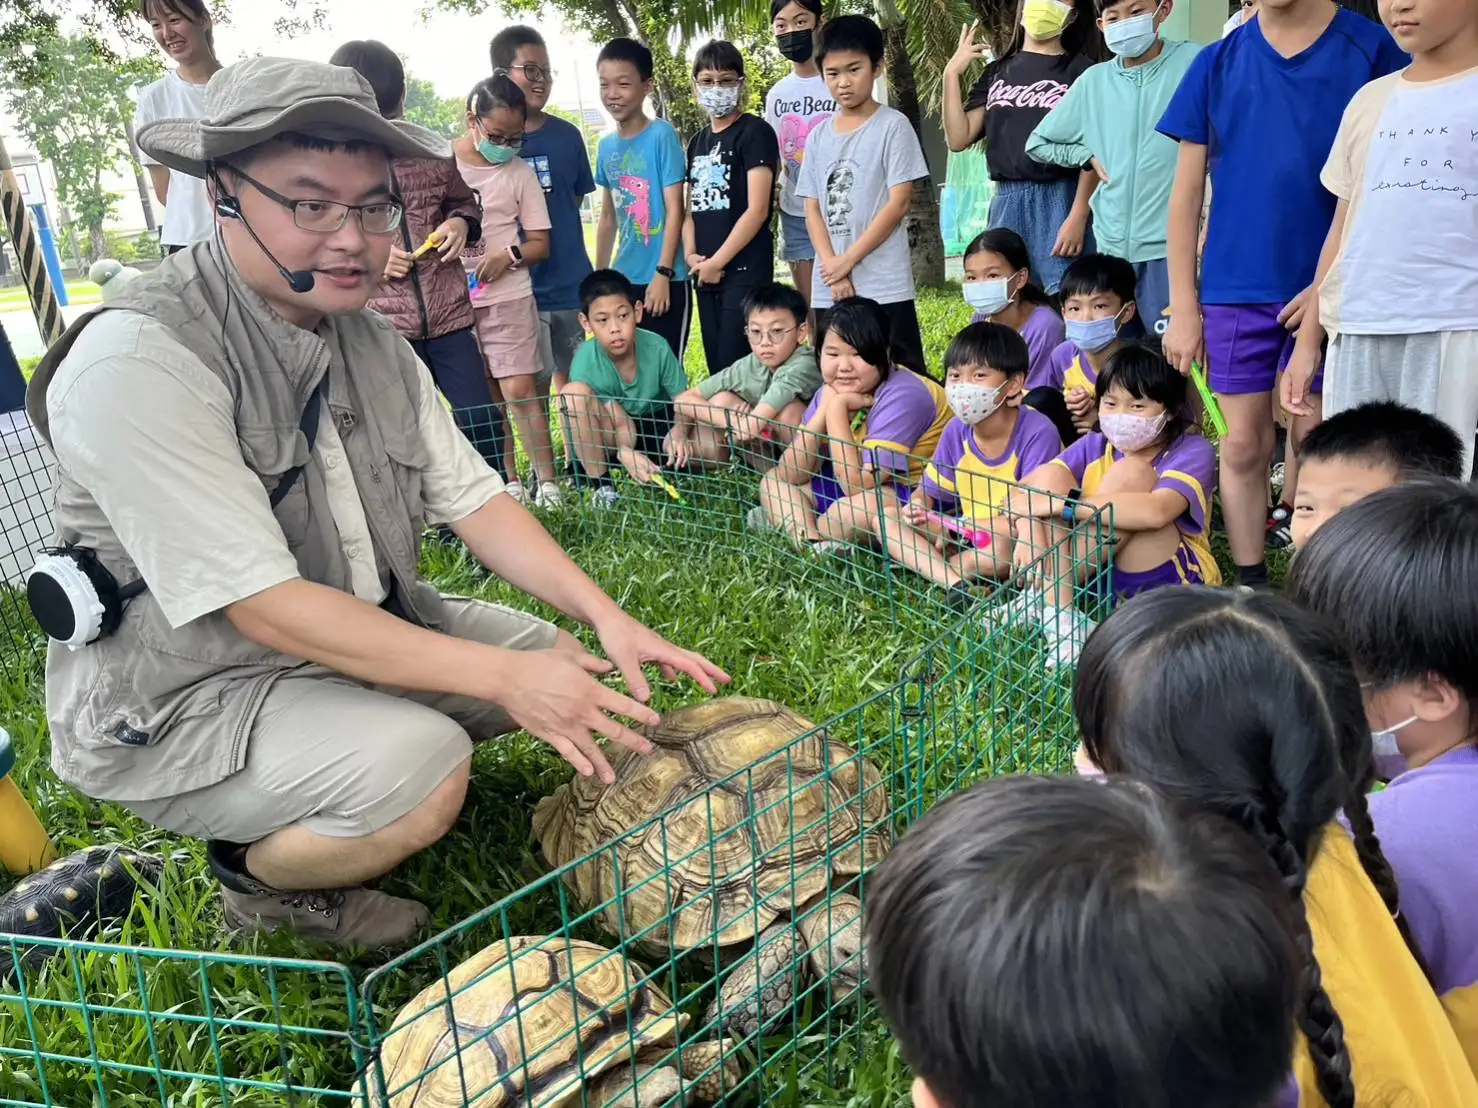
[25, 337]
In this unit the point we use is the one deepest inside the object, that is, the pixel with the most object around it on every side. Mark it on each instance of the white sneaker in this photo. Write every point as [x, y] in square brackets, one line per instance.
[1028, 608]
[605, 496]
[550, 495]
[516, 490]
[755, 520]
[1066, 634]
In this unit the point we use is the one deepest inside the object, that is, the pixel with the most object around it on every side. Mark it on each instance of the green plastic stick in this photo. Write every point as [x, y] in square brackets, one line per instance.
[1208, 399]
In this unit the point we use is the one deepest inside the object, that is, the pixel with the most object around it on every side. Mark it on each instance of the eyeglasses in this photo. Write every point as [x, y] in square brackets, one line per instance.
[324, 217]
[721, 82]
[533, 73]
[769, 338]
[513, 141]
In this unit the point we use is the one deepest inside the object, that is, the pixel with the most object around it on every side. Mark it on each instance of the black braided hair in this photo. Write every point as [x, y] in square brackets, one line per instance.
[1241, 703]
[1377, 868]
[1317, 1019]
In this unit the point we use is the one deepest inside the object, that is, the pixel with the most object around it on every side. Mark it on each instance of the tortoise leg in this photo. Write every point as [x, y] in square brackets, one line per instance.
[759, 987]
[831, 928]
[711, 1069]
[640, 1086]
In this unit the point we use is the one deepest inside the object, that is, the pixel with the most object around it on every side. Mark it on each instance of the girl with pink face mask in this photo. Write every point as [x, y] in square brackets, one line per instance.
[1147, 473]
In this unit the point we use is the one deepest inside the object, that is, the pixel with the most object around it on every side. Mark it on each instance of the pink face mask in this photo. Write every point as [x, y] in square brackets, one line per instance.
[1128, 433]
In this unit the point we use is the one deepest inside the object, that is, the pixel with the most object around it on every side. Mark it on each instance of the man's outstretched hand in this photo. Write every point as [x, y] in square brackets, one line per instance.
[630, 645]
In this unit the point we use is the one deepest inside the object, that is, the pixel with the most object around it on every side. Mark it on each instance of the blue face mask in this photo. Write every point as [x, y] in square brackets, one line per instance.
[1132, 37]
[494, 153]
[1092, 335]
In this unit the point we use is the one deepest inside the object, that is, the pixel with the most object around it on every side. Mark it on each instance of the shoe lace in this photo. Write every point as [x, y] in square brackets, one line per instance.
[324, 902]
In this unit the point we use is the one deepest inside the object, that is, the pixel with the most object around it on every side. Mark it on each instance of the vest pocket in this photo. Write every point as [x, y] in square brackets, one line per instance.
[272, 453]
[407, 459]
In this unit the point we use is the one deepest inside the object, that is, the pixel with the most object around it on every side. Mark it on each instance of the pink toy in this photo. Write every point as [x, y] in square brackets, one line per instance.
[474, 286]
[974, 536]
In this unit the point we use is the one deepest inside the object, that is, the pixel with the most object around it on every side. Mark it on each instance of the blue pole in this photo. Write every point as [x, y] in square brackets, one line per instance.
[48, 252]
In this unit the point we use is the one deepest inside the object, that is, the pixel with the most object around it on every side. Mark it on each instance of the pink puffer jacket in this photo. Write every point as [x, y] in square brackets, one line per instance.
[432, 300]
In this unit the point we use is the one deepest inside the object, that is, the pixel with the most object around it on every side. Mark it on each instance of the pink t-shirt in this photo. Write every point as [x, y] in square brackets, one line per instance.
[511, 199]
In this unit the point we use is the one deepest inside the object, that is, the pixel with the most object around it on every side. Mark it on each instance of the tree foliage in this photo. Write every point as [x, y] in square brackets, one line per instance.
[113, 28]
[445, 116]
[76, 117]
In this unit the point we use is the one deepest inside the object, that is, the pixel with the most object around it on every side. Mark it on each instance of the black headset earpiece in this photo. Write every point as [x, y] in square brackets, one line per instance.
[228, 207]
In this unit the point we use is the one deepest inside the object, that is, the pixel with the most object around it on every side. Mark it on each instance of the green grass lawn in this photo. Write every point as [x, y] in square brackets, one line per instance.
[931, 700]
[16, 299]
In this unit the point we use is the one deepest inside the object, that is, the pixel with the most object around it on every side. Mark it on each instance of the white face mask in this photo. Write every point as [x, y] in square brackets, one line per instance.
[1389, 761]
[972, 403]
[989, 297]
[719, 102]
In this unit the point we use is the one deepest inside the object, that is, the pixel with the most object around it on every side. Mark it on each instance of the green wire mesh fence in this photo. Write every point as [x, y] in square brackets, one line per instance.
[704, 951]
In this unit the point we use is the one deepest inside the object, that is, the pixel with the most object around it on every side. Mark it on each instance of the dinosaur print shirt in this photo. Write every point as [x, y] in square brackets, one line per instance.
[635, 171]
[795, 107]
[718, 191]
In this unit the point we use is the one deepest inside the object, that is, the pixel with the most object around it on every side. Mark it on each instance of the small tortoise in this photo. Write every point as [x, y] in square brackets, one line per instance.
[540, 1022]
[71, 898]
[731, 830]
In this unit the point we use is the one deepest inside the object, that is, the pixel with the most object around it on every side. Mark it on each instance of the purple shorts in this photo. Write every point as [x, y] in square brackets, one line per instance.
[828, 490]
[1182, 569]
[1247, 348]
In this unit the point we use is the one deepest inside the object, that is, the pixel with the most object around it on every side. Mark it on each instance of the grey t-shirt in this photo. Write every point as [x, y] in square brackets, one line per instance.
[850, 175]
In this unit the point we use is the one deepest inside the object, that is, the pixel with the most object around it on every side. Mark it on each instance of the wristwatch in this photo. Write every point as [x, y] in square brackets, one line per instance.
[1070, 509]
[515, 256]
[668, 272]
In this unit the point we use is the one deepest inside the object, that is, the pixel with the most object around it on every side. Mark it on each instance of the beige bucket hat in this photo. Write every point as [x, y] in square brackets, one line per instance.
[257, 99]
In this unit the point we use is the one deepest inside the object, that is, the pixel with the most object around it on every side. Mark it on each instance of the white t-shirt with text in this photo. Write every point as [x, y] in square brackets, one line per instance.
[795, 107]
[187, 214]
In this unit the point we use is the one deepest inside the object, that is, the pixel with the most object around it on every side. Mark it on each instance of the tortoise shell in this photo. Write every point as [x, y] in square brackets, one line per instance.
[71, 898]
[530, 1020]
[733, 819]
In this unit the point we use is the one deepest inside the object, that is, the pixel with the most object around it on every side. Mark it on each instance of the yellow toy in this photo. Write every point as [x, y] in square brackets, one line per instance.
[430, 244]
[663, 483]
[24, 845]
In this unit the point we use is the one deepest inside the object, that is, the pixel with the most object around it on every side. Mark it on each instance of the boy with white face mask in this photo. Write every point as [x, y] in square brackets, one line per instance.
[1098, 304]
[1397, 574]
[953, 530]
[1108, 119]
[731, 192]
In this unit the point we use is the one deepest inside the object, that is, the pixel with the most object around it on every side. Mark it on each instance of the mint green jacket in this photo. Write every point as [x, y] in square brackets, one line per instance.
[1110, 113]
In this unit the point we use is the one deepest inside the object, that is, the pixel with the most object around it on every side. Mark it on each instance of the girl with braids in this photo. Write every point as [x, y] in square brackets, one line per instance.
[1002, 928]
[1246, 705]
[1397, 573]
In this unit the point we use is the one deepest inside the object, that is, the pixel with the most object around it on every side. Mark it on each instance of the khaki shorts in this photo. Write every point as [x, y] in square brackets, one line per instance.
[344, 759]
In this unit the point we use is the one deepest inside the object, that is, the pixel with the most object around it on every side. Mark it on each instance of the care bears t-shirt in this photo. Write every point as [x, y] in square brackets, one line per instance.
[795, 107]
[556, 154]
[636, 170]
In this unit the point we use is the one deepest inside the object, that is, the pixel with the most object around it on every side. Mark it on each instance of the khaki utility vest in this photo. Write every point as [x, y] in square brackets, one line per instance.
[111, 705]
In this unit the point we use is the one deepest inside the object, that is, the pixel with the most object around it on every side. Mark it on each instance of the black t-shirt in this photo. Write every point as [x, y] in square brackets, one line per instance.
[718, 175]
[1017, 92]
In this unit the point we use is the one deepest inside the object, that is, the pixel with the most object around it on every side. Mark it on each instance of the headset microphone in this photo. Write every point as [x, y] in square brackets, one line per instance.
[299, 280]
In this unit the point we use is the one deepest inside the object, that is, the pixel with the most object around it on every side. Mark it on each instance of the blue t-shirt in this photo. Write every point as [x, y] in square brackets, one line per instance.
[636, 170]
[556, 154]
[1269, 123]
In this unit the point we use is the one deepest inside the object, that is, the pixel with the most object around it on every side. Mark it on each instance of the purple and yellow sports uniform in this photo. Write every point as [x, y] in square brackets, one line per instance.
[902, 428]
[1428, 828]
[962, 479]
[1187, 466]
[1071, 369]
[1403, 1048]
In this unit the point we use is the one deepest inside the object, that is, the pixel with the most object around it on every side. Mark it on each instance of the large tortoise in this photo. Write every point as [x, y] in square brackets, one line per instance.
[731, 830]
[543, 1022]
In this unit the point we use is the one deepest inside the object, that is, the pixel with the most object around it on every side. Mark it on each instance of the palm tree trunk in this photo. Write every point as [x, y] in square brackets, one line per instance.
[925, 240]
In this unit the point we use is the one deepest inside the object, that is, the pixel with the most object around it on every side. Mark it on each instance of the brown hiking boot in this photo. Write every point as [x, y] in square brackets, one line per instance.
[360, 918]
[355, 917]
